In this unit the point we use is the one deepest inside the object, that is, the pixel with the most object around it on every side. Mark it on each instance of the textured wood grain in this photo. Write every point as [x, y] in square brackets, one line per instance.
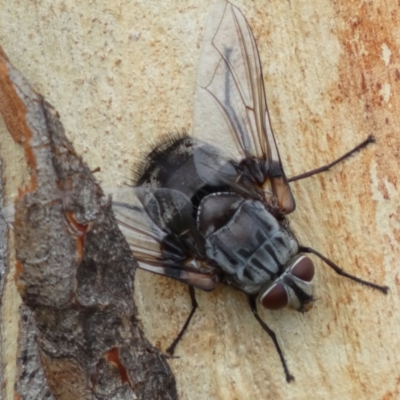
[123, 74]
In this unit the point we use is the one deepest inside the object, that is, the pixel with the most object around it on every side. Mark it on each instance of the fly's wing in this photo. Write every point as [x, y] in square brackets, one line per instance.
[150, 219]
[230, 111]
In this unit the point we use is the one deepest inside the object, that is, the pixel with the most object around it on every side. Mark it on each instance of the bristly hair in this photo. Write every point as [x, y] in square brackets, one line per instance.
[145, 171]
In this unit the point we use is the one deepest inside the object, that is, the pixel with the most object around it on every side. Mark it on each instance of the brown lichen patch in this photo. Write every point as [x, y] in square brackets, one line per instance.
[369, 77]
[80, 231]
[394, 393]
[113, 357]
[14, 111]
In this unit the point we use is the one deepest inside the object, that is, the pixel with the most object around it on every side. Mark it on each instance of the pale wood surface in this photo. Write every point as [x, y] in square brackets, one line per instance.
[123, 73]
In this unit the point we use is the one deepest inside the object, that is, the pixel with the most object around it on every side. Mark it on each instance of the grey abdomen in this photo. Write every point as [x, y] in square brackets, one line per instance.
[252, 248]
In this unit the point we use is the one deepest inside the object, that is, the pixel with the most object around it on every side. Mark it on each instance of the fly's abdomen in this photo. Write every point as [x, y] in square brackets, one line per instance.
[252, 247]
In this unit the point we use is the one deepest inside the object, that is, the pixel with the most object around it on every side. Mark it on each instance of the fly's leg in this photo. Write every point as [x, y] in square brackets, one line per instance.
[271, 333]
[192, 294]
[340, 271]
[326, 167]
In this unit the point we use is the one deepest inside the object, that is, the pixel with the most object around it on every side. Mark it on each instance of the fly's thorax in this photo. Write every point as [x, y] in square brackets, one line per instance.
[246, 241]
[171, 165]
[293, 288]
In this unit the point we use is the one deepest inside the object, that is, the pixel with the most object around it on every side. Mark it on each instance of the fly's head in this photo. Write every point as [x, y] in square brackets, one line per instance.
[293, 288]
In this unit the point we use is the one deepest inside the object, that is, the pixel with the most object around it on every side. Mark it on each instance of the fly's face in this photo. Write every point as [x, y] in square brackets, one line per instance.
[293, 288]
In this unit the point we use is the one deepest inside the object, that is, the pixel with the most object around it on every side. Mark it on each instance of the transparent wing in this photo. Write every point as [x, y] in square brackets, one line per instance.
[155, 223]
[142, 234]
[231, 114]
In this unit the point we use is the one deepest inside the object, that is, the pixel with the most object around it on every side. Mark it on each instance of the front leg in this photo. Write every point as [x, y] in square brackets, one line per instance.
[271, 333]
[341, 272]
[326, 167]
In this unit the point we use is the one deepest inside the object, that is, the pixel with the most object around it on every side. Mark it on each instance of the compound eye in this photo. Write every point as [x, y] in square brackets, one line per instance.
[303, 269]
[275, 297]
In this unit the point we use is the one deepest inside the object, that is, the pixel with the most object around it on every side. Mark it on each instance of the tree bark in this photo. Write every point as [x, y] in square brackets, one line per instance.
[122, 74]
[73, 270]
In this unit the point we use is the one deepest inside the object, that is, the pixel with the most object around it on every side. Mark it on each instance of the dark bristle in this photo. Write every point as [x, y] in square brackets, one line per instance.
[152, 152]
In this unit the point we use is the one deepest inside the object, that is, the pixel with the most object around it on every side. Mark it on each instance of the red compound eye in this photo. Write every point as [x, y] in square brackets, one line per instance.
[275, 297]
[303, 269]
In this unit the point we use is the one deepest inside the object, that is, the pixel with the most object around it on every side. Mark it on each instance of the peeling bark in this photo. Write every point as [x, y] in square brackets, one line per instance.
[75, 271]
[3, 270]
[31, 383]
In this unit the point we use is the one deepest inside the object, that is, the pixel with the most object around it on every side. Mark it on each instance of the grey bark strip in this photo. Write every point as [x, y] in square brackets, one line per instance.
[3, 270]
[30, 379]
[74, 269]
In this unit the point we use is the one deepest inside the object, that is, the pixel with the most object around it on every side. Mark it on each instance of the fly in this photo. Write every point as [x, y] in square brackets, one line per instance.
[212, 208]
